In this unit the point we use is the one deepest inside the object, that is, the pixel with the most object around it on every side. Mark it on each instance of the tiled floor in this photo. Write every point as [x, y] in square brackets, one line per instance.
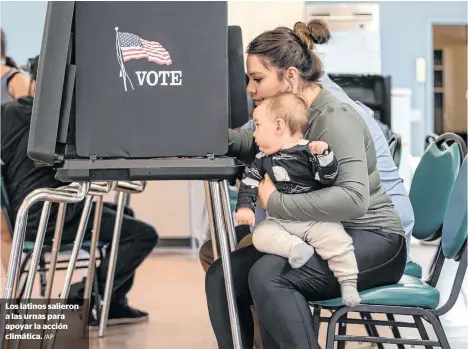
[170, 286]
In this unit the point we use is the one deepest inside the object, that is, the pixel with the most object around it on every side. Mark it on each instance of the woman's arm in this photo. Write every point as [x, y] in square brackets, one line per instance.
[242, 146]
[342, 128]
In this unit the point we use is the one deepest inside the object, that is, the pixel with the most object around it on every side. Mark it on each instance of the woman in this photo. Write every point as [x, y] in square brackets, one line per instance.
[14, 84]
[278, 60]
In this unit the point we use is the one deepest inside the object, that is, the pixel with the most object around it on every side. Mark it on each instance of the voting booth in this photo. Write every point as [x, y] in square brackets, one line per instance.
[128, 89]
[129, 92]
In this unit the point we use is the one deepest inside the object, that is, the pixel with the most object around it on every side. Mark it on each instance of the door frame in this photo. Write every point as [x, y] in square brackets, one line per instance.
[429, 90]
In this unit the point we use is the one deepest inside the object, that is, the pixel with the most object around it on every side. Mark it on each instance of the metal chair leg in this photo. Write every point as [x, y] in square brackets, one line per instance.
[371, 329]
[439, 331]
[226, 262]
[421, 329]
[330, 343]
[342, 332]
[112, 262]
[395, 330]
[316, 312]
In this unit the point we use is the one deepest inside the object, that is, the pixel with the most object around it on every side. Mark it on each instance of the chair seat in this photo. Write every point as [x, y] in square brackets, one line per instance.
[29, 246]
[409, 292]
[413, 269]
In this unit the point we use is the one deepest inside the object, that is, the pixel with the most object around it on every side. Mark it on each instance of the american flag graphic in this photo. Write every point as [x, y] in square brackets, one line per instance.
[134, 47]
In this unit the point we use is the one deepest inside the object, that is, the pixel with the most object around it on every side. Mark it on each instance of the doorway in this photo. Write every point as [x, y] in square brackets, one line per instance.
[450, 73]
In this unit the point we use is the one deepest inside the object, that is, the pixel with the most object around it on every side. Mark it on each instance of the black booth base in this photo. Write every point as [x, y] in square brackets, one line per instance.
[222, 168]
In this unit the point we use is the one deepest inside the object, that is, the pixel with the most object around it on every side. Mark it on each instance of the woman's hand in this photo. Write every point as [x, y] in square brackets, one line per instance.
[265, 189]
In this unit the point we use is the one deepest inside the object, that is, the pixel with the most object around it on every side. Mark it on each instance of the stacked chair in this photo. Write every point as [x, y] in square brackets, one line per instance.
[394, 144]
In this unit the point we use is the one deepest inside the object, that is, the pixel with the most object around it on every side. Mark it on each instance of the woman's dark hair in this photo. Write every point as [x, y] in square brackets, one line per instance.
[33, 66]
[284, 48]
[3, 44]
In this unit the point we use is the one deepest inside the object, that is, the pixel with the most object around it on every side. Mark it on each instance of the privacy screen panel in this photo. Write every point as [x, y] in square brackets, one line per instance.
[152, 79]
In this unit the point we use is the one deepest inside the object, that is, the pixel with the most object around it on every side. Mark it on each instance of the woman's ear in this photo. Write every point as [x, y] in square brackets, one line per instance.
[292, 78]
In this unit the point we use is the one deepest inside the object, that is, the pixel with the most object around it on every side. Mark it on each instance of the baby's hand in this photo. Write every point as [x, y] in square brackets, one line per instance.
[318, 147]
[245, 216]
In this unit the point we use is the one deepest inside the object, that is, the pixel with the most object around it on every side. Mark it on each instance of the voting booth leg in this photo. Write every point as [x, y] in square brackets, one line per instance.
[122, 199]
[228, 215]
[95, 189]
[55, 248]
[92, 264]
[66, 195]
[196, 234]
[77, 246]
[41, 231]
[54, 256]
[216, 195]
[124, 188]
[211, 220]
[73, 258]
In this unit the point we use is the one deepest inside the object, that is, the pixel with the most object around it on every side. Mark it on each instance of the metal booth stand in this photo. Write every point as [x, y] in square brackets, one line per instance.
[220, 219]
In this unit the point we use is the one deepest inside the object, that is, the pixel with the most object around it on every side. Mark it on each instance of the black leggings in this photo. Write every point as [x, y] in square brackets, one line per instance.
[281, 294]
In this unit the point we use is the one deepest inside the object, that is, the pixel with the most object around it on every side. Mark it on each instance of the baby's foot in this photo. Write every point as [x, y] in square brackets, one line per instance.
[350, 295]
[300, 254]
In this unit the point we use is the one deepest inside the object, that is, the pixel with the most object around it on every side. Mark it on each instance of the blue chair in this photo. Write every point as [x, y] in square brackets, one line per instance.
[436, 174]
[411, 296]
[437, 170]
[395, 146]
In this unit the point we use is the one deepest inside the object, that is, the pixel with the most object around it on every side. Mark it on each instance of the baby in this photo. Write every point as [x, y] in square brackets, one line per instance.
[296, 166]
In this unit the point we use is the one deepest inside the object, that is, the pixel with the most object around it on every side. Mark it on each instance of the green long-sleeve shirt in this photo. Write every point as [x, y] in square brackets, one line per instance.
[357, 199]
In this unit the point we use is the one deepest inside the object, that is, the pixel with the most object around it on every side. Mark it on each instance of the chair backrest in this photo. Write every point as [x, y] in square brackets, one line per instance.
[454, 230]
[394, 143]
[429, 140]
[432, 184]
[454, 235]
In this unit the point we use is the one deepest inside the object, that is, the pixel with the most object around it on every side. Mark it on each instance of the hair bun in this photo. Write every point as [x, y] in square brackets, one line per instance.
[312, 33]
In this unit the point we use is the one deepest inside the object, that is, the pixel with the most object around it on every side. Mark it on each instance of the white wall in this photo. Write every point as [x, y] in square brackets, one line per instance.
[255, 17]
[23, 23]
